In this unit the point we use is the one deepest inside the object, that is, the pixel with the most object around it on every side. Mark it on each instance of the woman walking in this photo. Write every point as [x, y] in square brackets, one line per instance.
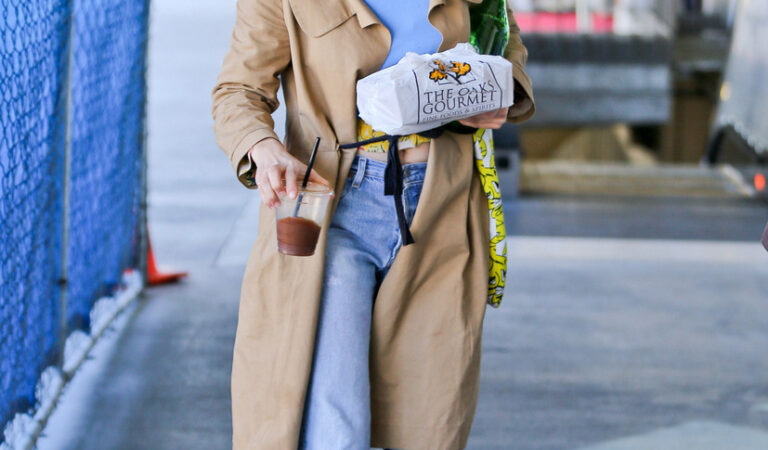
[369, 342]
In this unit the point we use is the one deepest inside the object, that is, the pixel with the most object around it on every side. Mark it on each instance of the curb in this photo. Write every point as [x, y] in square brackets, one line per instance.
[23, 430]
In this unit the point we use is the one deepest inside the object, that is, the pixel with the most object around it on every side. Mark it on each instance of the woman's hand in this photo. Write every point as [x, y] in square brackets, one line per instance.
[278, 172]
[491, 119]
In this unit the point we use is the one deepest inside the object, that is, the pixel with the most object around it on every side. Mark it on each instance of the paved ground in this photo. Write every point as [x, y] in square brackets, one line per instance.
[628, 324]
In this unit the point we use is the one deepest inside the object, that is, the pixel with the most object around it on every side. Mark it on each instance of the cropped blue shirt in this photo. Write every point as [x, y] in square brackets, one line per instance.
[409, 26]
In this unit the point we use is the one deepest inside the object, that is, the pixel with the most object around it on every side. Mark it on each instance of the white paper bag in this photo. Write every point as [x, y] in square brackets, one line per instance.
[422, 92]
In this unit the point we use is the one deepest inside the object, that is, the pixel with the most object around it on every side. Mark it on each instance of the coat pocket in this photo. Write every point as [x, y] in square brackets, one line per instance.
[318, 18]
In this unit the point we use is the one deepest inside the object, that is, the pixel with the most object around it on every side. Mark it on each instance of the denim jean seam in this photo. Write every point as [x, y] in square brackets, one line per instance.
[360, 172]
[345, 190]
[395, 249]
[407, 202]
[412, 182]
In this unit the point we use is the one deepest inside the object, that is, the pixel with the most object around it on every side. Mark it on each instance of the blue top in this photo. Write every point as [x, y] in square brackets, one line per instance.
[408, 24]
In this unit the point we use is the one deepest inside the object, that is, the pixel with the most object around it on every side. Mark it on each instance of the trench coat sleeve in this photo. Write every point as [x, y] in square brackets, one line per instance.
[516, 52]
[245, 95]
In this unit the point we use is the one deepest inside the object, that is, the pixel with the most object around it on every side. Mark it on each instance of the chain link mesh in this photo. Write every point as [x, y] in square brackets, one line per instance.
[106, 147]
[104, 101]
[33, 36]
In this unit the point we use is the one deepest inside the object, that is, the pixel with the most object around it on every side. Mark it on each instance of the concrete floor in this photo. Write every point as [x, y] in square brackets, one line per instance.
[628, 323]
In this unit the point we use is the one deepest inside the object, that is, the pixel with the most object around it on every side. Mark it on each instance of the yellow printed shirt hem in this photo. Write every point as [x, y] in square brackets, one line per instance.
[365, 132]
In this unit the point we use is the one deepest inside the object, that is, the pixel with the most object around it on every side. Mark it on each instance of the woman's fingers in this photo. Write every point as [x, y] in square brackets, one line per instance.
[488, 123]
[491, 119]
[496, 123]
[316, 178]
[275, 175]
[268, 195]
[278, 172]
[301, 169]
[481, 123]
[291, 187]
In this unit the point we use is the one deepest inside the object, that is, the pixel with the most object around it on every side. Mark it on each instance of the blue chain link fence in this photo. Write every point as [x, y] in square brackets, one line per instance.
[72, 95]
[33, 36]
[106, 150]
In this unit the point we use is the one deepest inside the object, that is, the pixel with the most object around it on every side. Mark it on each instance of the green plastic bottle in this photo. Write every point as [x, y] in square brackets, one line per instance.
[489, 29]
[488, 33]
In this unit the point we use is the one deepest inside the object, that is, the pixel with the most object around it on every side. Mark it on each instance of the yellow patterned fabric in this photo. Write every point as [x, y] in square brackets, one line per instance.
[486, 167]
[365, 132]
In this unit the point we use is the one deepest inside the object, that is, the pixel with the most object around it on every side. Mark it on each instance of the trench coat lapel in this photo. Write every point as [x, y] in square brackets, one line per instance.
[451, 19]
[365, 16]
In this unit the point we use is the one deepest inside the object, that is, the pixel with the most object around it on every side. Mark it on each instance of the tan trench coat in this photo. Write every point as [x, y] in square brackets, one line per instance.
[427, 324]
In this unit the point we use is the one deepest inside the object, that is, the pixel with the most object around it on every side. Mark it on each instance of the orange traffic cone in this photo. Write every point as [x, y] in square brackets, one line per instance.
[154, 276]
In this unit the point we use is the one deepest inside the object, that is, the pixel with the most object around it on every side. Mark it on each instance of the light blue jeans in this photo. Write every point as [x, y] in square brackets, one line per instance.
[363, 240]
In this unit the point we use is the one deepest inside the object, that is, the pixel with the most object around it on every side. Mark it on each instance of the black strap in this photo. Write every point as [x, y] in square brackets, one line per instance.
[393, 179]
[393, 174]
[393, 185]
[365, 142]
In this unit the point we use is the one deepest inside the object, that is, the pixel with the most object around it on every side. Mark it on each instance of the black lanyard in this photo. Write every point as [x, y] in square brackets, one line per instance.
[393, 179]
[393, 174]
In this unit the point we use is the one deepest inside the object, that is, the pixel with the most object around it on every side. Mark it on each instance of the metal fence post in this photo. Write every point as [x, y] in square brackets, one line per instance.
[66, 172]
[143, 222]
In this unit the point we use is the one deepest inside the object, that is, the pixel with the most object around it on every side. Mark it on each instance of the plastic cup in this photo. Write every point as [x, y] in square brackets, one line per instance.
[299, 220]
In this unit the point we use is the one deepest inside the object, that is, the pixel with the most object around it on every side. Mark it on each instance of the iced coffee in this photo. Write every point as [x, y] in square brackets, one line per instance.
[299, 220]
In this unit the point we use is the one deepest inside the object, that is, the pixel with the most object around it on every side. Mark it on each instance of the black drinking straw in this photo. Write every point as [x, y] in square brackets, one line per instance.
[306, 176]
